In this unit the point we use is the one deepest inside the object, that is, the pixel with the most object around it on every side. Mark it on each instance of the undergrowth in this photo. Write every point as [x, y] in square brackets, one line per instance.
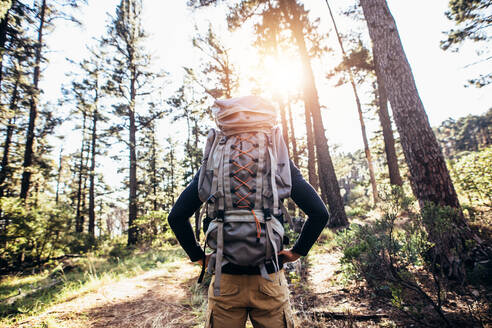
[394, 256]
[75, 277]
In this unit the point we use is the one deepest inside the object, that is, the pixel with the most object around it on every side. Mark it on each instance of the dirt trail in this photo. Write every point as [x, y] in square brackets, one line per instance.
[161, 298]
[158, 298]
[327, 302]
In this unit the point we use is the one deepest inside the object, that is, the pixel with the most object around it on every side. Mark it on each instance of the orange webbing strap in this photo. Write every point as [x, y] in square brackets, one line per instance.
[258, 227]
[243, 202]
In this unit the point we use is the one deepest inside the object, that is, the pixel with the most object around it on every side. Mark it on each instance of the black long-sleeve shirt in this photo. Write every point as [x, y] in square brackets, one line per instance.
[302, 194]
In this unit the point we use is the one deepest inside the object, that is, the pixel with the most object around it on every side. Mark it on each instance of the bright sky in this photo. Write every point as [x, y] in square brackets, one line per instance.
[440, 76]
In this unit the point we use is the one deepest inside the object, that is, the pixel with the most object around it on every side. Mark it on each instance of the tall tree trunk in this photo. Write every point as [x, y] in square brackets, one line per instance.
[283, 119]
[8, 138]
[173, 179]
[330, 190]
[389, 140]
[79, 221]
[92, 198]
[295, 153]
[153, 167]
[4, 23]
[33, 110]
[311, 165]
[58, 176]
[132, 230]
[367, 150]
[429, 176]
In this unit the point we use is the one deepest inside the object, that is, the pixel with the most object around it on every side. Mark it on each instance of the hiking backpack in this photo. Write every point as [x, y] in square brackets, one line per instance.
[244, 177]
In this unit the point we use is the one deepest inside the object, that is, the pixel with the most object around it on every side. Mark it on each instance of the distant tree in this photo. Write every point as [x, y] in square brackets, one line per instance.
[473, 19]
[469, 133]
[28, 154]
[131, 78]
[170, 173]
[367, 149]
[429, 176]
[88, 91]
[189, 107]
[297, 18]
[218, 75]
[46, 13]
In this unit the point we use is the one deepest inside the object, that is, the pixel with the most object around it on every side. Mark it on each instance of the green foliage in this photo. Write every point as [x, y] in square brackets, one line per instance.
[473, 22]
[153, 229]
[32, 233]
[472, 174]
[391, 255]
[357, 211]
[469, 133]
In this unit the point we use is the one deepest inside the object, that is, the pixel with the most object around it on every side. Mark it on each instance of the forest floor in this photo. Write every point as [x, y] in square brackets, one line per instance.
[156, 298]
[169, 297]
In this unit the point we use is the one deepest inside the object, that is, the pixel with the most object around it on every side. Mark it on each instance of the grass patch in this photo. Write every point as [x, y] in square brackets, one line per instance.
[80, 276]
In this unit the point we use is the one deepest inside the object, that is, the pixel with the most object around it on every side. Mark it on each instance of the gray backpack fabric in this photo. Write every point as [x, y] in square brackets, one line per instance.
[244, 177]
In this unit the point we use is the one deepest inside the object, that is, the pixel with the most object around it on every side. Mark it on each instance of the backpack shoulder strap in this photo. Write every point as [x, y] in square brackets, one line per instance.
[210, 145]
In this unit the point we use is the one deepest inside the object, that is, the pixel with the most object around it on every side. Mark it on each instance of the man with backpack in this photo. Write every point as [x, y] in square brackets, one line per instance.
[245, 176]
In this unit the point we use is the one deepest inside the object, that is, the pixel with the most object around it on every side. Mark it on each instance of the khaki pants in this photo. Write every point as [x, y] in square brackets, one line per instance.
[266, 302]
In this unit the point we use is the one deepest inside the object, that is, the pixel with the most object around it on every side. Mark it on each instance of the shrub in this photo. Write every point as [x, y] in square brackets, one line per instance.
[153, 229]
[472, 174]
[32, 233]
[392, 257]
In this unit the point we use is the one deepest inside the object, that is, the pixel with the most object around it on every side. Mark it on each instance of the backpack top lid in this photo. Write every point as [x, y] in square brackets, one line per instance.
[242, 114]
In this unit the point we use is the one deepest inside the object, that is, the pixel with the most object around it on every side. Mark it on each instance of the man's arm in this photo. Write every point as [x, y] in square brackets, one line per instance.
[311, 204]
[179, 220]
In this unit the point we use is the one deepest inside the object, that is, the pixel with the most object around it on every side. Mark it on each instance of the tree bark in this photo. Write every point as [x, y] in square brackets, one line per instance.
[153, 167]
[79, 220]
[311, 165]
[92, 198]
[132, 230]
[8, 139]
[295, 153]
[283, 119]
[367, 150]
[58, 176]
[33, 110]
[4, 23]
[330, 190]
[429, 176]
[389, 140]
[430, 179]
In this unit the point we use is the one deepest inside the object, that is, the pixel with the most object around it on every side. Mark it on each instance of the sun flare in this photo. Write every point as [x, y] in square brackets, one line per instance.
[282, 75]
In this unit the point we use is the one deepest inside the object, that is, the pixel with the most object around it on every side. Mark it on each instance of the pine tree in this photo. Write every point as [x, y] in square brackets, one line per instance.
[384, 119]
[218, 76]
[367, 149]
[296, 17]
[33, 103]
[91, 90]
[45, 15]
[473, 19]
[131, 78]
[188, 106]
[429, 176]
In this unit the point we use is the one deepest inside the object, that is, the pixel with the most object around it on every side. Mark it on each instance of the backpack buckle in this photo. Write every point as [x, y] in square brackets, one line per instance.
[266, 214]
[222, 140]
[211, 199]
[220, 216]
